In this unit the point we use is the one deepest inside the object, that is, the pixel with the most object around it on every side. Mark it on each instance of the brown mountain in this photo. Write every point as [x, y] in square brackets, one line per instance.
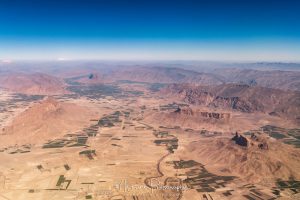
[286, 80]
[187, 117]
[45, 120]
[240, 97]
[164, 75]
[261, 160]
[37, 83]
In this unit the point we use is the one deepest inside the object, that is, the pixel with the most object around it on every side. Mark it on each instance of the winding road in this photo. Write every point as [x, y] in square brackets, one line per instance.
[147, 181]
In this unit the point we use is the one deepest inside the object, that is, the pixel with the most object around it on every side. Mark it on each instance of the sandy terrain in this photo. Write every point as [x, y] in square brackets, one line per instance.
[131, 146]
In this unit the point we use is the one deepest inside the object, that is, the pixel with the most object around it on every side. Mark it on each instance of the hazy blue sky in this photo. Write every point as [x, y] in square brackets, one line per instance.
[127, 29]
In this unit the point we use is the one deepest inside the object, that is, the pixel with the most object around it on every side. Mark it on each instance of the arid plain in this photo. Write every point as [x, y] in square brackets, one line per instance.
[134, 134]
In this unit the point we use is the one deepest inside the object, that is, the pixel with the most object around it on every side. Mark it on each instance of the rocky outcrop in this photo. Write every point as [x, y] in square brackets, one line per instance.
[202, 114]
[185, 111]
[239, 97]
[215, 115]
[240, 140]
[259, 141]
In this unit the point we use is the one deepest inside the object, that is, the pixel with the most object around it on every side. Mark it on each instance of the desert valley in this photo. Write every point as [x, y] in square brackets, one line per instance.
[149, 131]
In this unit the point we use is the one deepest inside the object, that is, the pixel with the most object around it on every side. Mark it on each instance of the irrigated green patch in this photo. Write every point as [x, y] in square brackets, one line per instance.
[202, 180]
[288, 136]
